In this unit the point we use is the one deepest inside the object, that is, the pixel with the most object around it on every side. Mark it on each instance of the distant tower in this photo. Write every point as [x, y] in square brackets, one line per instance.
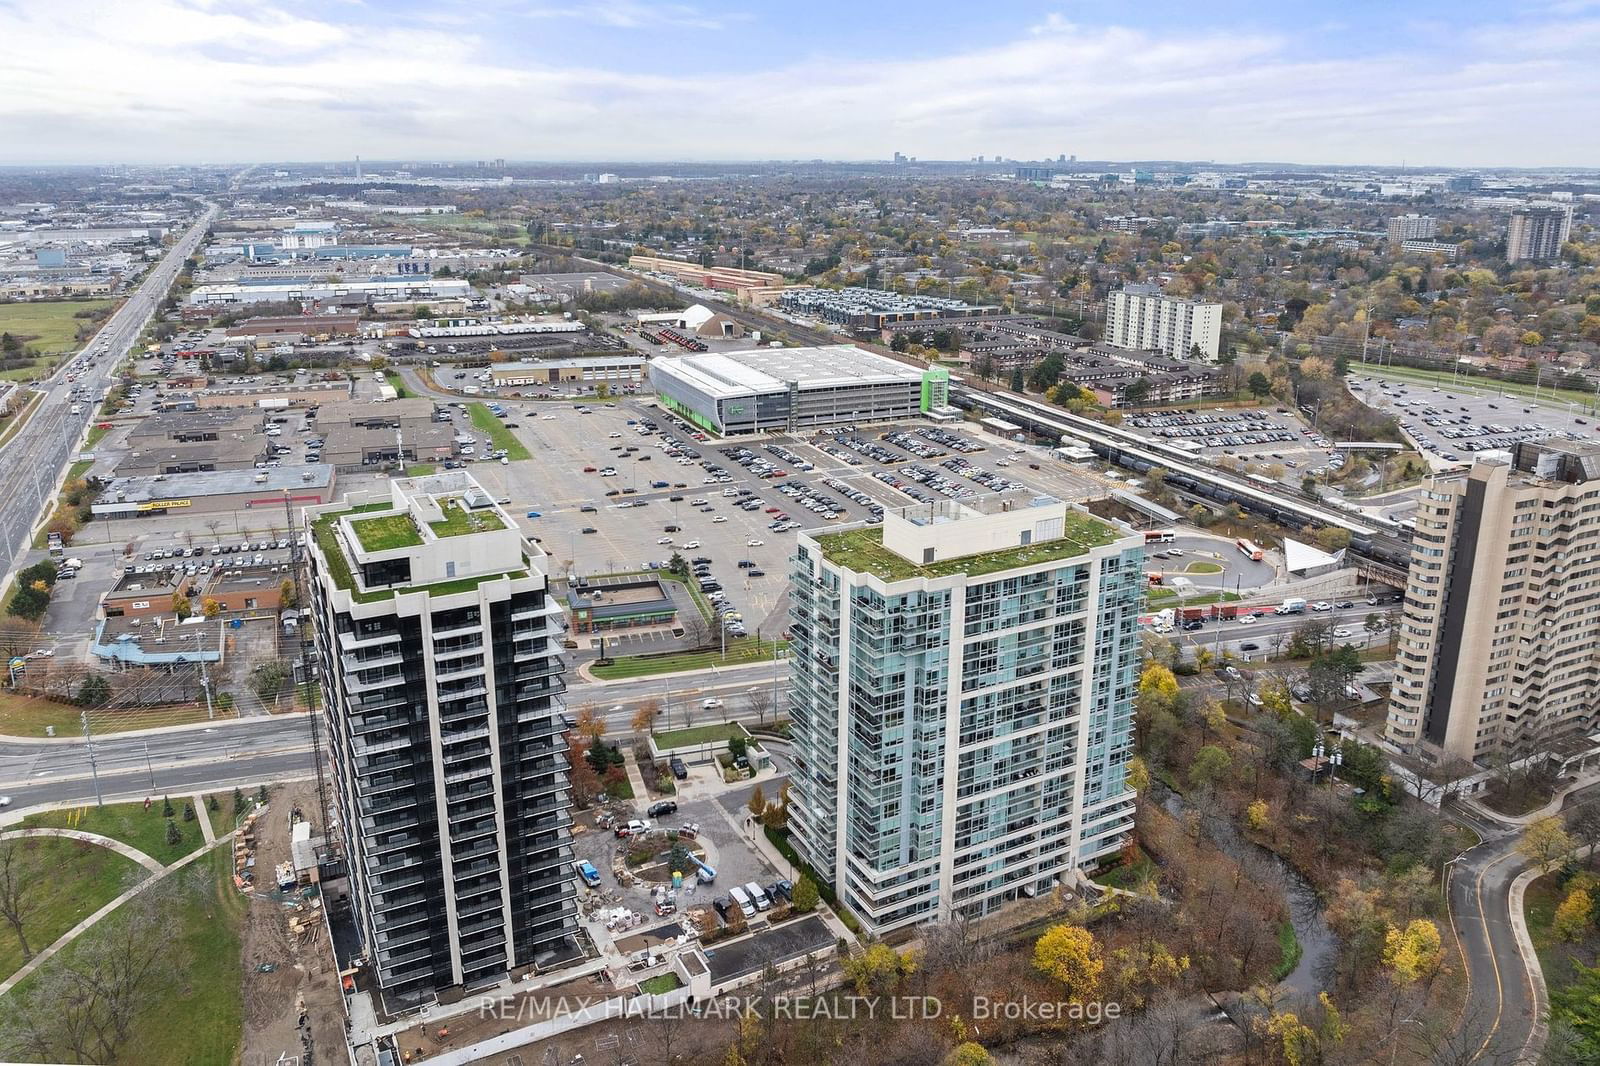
[358, 168]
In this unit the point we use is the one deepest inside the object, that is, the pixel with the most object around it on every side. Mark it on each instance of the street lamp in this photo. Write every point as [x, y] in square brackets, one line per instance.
[1335, 760]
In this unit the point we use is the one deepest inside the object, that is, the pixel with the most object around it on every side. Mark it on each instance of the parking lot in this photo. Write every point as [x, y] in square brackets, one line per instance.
[1263, 438]
[621, 486]
[1448, 425]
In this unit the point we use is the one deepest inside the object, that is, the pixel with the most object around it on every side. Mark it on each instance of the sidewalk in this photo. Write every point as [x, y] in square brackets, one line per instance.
[1551, 808]
[78, 930]
[125, 850]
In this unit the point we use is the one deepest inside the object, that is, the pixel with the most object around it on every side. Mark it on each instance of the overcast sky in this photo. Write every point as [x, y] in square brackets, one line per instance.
[1425, 82]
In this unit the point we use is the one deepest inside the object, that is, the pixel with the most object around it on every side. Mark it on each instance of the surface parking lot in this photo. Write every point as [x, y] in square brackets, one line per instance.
[1448, 426]
[1252, 435]
[606, 494]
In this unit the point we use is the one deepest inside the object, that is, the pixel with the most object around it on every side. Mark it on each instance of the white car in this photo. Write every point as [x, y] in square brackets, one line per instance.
[1322, 605]
[754, 543]
[720, 518]
[1247, 619]
[5, 801]
[663, 540]
[710, 704]
[690, 545]
[1342, 632]
[614, 436]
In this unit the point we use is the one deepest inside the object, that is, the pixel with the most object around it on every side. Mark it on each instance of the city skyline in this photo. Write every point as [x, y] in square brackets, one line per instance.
[189, 81]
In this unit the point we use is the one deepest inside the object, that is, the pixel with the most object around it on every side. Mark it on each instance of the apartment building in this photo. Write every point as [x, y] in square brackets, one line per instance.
[1412, 227]
[442, 679]
[1141, 316]
[1501, 619]
[1537, 233]
[961, 682]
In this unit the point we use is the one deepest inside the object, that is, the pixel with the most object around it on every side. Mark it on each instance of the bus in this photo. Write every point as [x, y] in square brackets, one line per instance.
[1262, 480]
[1160, 536]
[1249, 549]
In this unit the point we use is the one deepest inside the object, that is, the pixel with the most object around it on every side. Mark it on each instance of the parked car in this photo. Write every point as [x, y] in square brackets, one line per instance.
[632, 828]
[679, 770]
[781, 889]
[661, 807]
[590, 875]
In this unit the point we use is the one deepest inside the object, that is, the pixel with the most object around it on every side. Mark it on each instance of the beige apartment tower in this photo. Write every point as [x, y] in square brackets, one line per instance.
[1499, 650]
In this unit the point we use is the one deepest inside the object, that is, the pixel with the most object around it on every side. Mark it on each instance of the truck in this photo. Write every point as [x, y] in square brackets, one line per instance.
[1162, 620]
[590, 875]
[1292, 605]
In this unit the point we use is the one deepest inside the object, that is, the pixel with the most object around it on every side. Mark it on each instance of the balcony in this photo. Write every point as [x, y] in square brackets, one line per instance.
[468, 773]
[352, 641]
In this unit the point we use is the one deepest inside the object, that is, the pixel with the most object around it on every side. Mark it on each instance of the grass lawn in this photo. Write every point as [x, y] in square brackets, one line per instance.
[129, 823]
[1478, 386]
[486, 422]
[191, 1012]
[74, 472]
[394, 379]
[1199, 567]
[740, 653]
[660, 984]
[458, 520]
[47, 325]
[81, 878]
[719, 733]
[862, 550]
[27, 716]
[14, 423]
[1168, 596]
[386, 532]
[96, 435]
[1128, 875]
[422, 469]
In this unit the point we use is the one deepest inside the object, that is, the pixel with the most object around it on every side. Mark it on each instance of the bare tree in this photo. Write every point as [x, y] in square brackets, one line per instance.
[696, 630]
[18, 901]
[760, 701]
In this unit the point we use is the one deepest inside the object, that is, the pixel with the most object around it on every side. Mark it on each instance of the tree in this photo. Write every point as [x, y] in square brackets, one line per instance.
[1137, 775]
[1573, 917]
[210, 607]
[589, 724]
[211, 803]
[1415, 953]
[1258, 816]
[1158, 689]
[1211, 764]
[1070, 955]
[1545, 844]
[1373, 624]
[644, 719]
[174, 834]
[1577, 1006]
[1136, 392]
[180, 605]
[968, 1053]
[94, 691]
[18, 900]
[1259, 385]
[759, 701]
[878, 970]
[188, 812]
[805, 893]
[757, 802]
[288, 593]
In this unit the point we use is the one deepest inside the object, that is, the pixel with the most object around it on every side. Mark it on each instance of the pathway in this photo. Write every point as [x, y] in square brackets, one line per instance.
[199, 801]
[76, 931]
[153, 865]
[1552, 808]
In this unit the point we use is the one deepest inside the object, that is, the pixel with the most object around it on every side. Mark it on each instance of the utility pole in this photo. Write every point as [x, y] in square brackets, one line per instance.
[88, 745]
[205, 684]
[148, 767]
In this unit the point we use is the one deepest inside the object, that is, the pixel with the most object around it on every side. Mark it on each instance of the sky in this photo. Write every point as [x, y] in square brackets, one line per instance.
[1422, 83]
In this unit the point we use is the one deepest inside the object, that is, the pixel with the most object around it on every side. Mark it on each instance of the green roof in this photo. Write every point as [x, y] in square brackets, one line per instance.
[459, 520]
[323, 531]
[862, 551]
[386, 532]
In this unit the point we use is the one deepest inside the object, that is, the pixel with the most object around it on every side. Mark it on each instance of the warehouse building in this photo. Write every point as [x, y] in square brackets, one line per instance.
[624, 367]
[181, 442]
[767, 389]
[215, 491]
[371, 290]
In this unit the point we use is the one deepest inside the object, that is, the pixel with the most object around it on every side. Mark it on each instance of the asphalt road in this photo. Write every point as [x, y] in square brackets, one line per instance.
[278, 748]
[34, 460]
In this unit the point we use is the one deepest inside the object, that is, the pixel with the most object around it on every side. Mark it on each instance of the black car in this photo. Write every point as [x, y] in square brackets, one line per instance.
[722, 906]
[674, 499]
[661, 807]
[1192, 624]
[678, 768]
[745, 564]
[758, 573]
[1342, 604]
[1249, 646]
[781, 889]
[589, 529]
[701, 559]
[671, 529]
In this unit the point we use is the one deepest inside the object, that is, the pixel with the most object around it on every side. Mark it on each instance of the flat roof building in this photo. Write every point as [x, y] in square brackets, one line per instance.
[1142, 316]
[320, 289]
[961, 697]
[441, 670]
[876, 309]
[215, 491]
[179, 442]
[765, 389]
[623, 366]
[1497, 646]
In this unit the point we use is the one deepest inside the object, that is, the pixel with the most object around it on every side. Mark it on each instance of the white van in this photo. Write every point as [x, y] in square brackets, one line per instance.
[742, 901]
[758, 896]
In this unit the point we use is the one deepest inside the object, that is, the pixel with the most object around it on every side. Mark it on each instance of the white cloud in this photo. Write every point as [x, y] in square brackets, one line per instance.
[255, 80]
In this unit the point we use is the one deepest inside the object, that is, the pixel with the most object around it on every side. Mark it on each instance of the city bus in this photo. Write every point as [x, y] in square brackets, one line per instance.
[1249, 549]
[1160, 536]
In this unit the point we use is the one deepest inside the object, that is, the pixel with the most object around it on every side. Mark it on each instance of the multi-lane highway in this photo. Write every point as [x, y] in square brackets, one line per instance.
[35, 459]
[278, 748]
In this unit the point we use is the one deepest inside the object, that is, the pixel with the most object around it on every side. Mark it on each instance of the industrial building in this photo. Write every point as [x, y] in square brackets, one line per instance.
[1142, 316]
[724, 279]
[215, 491]
[697, 319]
[319, 289]
[356, 434]
[961, 692]
[624, 367]
[1496, 652]
[440, 660]
[180, 442]
[794, 388]
[876, 309]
